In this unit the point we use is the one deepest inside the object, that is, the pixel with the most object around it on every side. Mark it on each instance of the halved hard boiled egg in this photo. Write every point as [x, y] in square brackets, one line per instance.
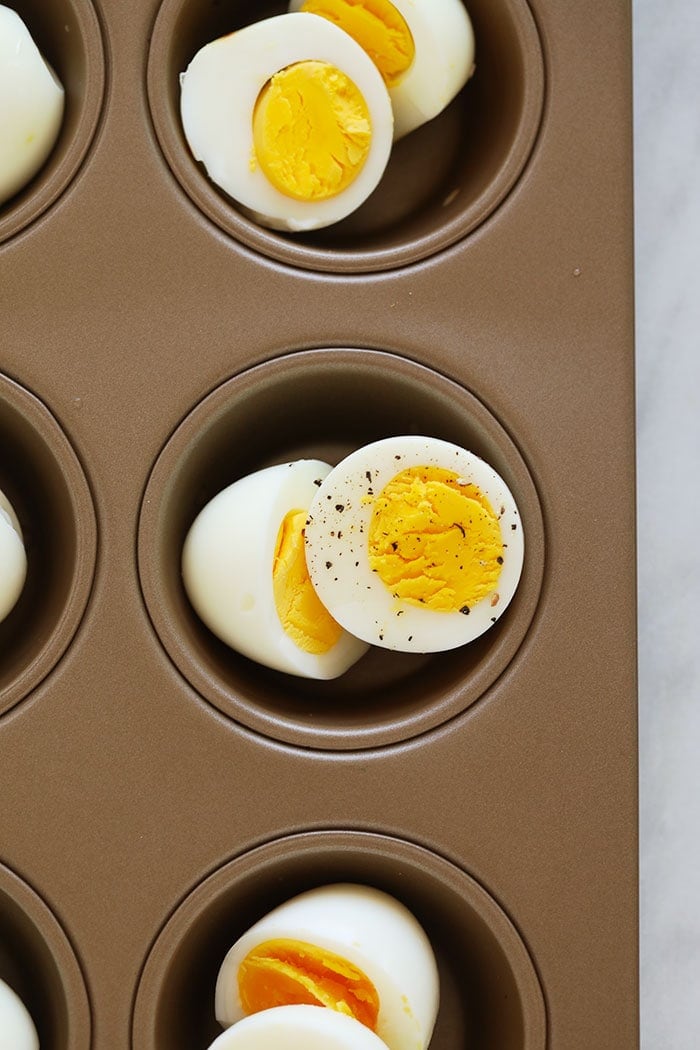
[414, 544]
[244, 571]
[298, 1028]
[424, 49]
[352, 949]
[13, 559]
[31, 105]
[17, 1031]
[291, 118]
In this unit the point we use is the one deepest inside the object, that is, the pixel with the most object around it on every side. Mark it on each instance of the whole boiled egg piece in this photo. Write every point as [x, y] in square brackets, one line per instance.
[298, 1028]
[17, 1031]
[31, 111]
[244, 571]
[350, 948]
[13, 559]
[291, 118]
[415, 544]
[424, 49]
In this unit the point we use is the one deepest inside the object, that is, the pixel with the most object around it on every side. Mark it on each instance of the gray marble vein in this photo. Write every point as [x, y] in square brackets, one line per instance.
[667, 208]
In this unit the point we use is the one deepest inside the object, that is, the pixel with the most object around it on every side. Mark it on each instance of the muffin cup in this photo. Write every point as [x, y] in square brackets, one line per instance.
[323, 404]
[42, 477]
[442, 181]
[38, 963]
[67, 33]
[490, 995]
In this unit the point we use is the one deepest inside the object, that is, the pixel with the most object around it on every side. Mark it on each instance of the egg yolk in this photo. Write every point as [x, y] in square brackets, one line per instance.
[302, 615]
[288, 973]
[435, 541]
[312, 131]
[377, 27]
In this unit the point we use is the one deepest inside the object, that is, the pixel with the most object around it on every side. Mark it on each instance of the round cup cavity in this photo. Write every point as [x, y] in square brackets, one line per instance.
[41, 476]
[490, 996]
[442, 181]
[67, 33]
[323, 404]
[38, 963]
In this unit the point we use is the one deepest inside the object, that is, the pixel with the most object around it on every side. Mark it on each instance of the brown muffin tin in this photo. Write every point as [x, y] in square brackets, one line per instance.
[159, 792]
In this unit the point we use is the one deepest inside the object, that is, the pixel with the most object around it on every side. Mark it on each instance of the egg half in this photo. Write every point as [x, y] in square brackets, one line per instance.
[298, 1028]
[414, 544]
[244, 571]
[291, 118]
[31, 111]
[424, 49]
[17, 1031]
[353, 949]
[13, 559]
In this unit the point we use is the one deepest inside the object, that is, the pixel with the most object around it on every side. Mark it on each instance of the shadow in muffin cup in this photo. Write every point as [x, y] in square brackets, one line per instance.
[490, 996]
[323, 404]
[41, 476]
[442, 181]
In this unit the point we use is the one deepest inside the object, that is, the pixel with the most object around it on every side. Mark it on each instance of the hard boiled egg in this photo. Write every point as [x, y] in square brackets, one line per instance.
[17, 1031]
[414, 544]
[291, 118]
[352, 949]
[424, 49]
[31, 105]
[13, 560]
[298, 1028]
[244, 570]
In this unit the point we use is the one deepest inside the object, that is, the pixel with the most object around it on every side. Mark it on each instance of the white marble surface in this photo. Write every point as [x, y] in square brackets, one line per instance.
[667, 188]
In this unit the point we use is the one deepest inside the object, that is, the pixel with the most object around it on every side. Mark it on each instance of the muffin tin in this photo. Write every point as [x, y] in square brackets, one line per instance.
[159, 792]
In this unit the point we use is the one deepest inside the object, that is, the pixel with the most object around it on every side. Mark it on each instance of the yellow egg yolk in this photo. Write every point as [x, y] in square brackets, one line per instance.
[377, 27]
[307, 622]
[288, 973]
[435, 541]
[312, 131]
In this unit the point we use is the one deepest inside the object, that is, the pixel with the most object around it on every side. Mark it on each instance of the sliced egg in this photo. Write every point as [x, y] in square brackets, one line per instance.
[424, 49]
[244, 571]
[13, 560]
[31, 111]
[17, 1031]
[414, 544]
[298, 1028]
[352, 949]
[290, 117]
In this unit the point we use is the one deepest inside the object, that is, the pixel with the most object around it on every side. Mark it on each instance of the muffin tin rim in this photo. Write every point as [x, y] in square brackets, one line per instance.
[245, 716]
[268, 245]
[212, 883]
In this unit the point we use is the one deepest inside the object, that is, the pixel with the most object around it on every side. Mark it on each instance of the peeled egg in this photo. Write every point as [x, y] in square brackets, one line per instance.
[244, 570]
[424, 49]
[32, 105]
[352, 949]
[298, 1028]
[414, 544]
[13, 560]
[290, 117]
[17, 1031]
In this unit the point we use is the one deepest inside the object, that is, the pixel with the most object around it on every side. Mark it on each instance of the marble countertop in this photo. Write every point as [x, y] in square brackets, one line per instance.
[667, 209]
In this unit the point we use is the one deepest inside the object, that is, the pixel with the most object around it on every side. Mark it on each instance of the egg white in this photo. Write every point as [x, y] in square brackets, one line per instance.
[32, 106]
[227, 562]
[17, 1031]
[371, 930]
[354, 595]
[13, 559]
[218, 94]
[298, 1028]
[443, 62]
